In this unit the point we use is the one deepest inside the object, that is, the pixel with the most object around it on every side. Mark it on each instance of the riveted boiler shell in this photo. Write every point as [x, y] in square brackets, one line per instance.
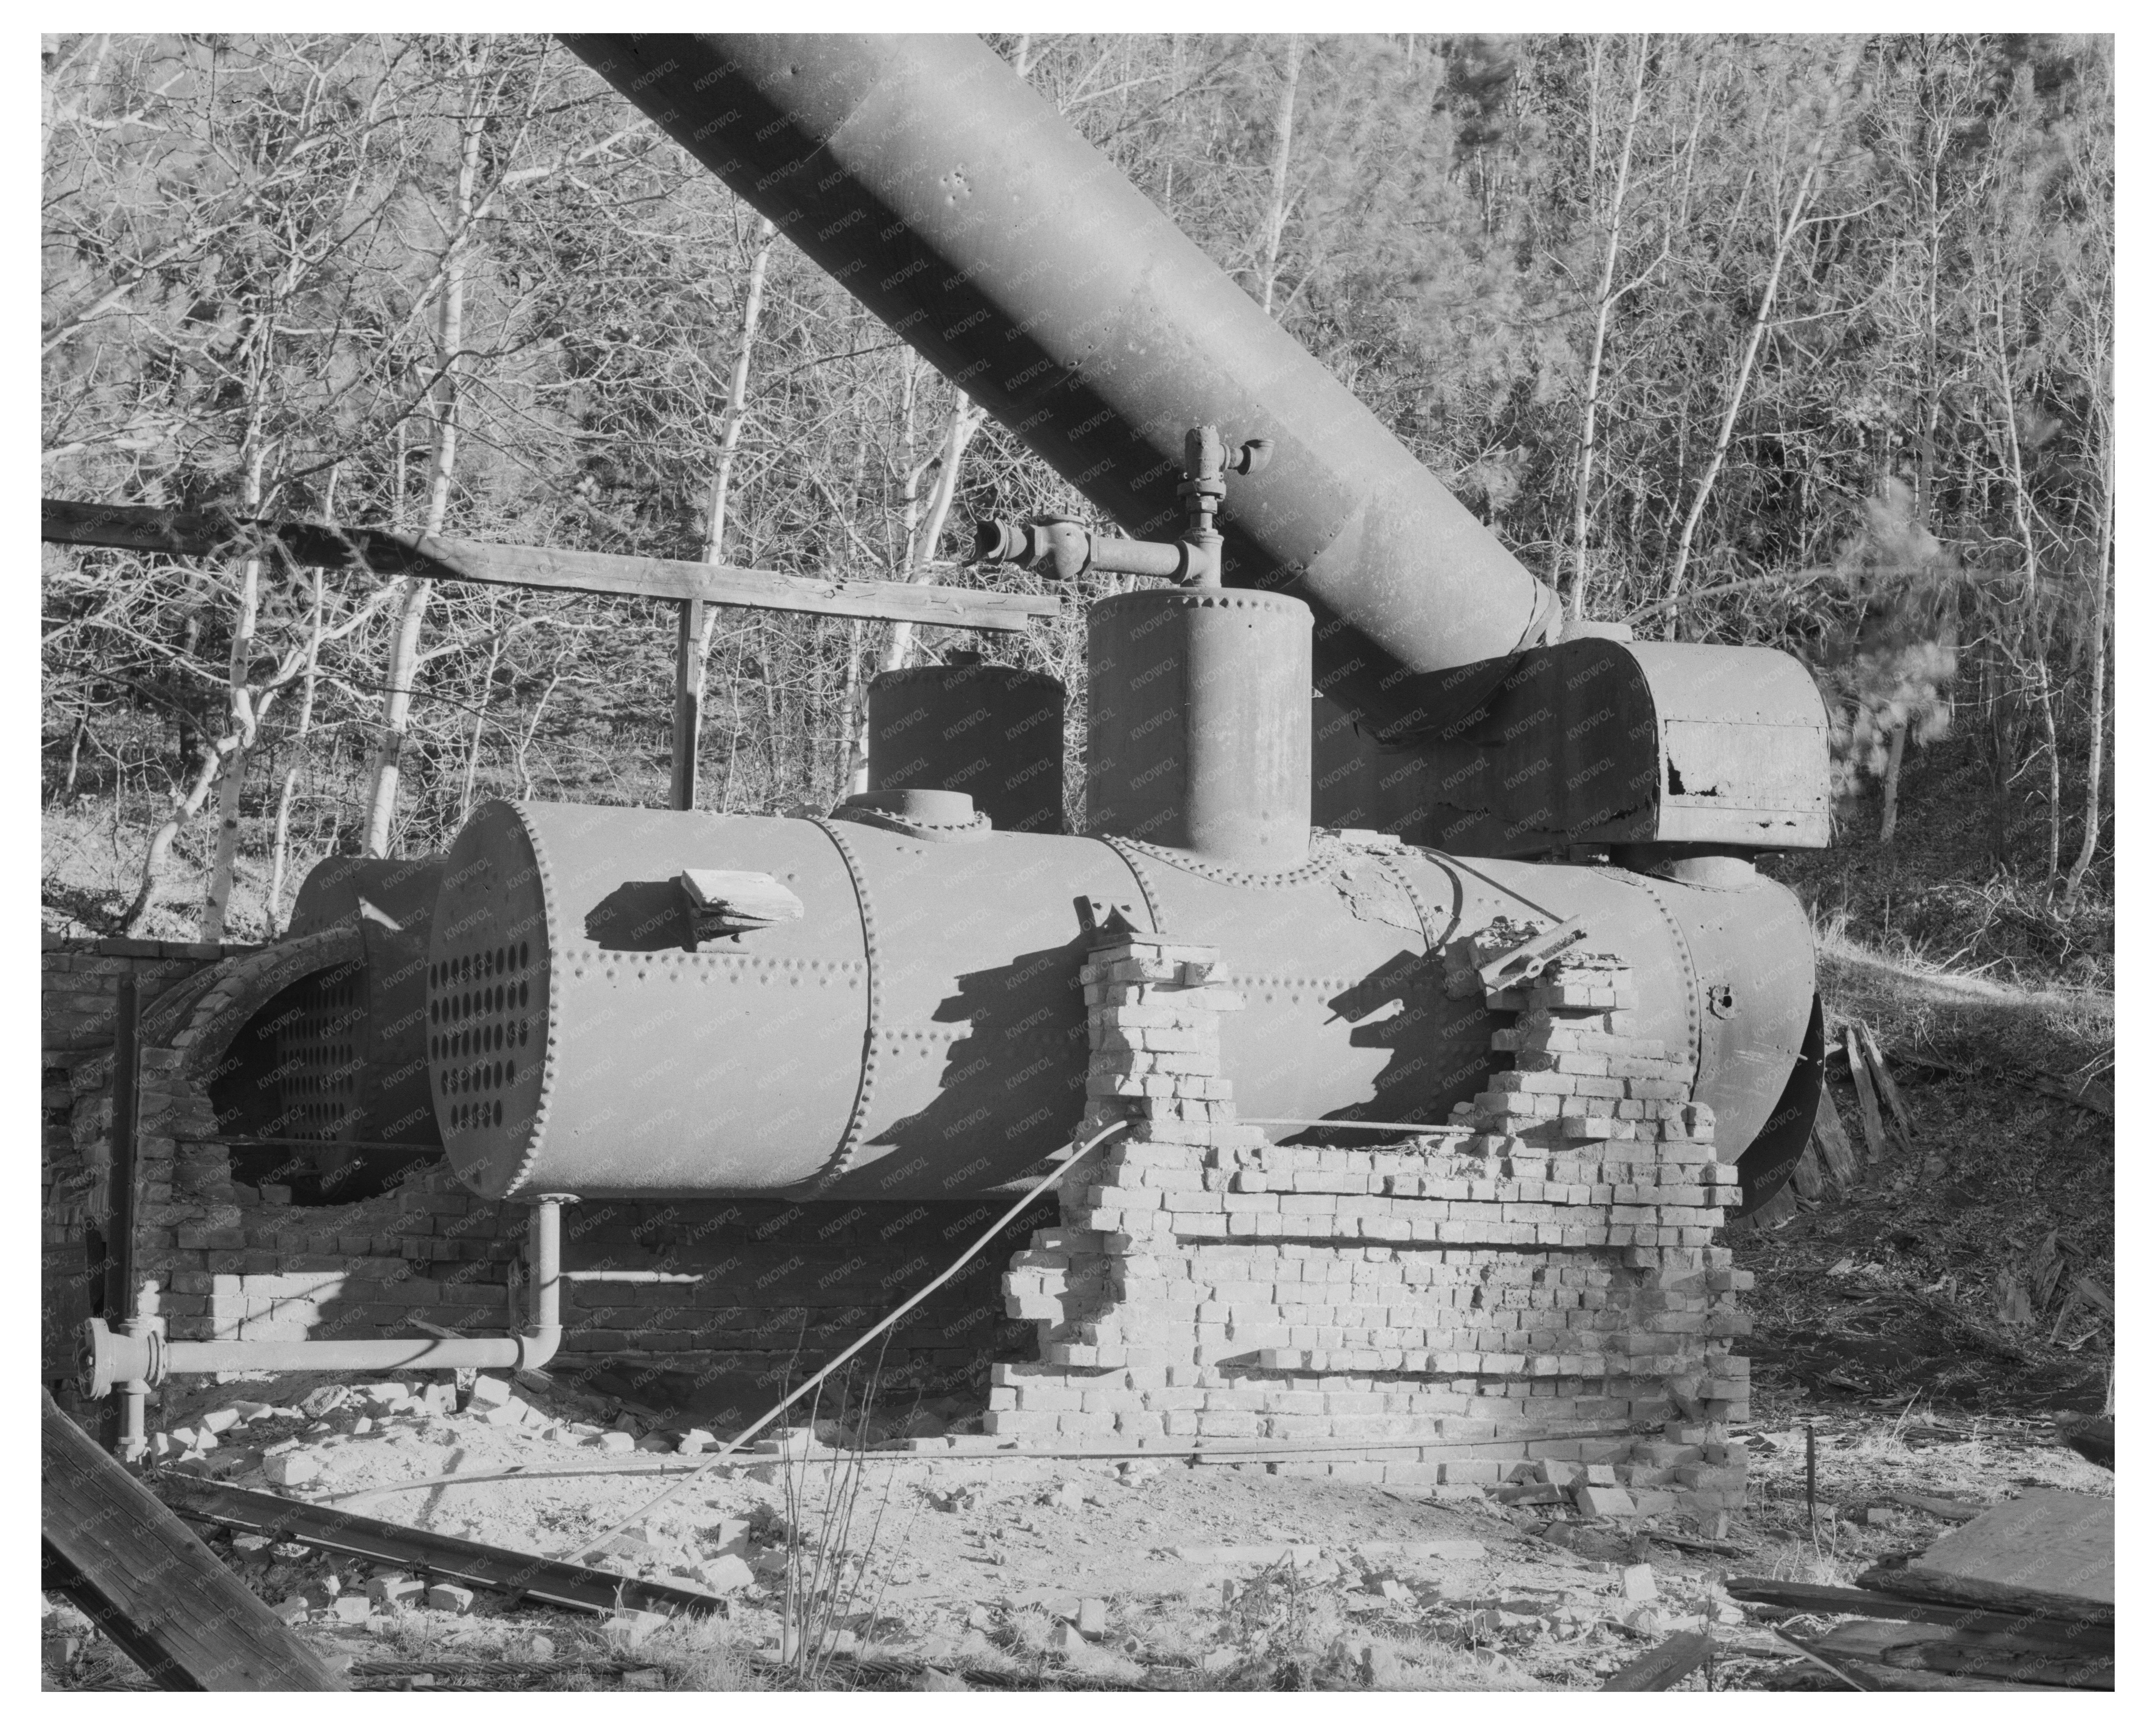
[1347, 1016]
[920, 1032]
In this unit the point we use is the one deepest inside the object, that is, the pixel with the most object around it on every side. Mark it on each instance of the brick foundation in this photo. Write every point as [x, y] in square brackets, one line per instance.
[1476, 1295]
[1542, 1264]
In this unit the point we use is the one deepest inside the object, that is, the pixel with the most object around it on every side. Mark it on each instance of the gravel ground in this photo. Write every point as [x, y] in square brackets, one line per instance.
[1030, 1573]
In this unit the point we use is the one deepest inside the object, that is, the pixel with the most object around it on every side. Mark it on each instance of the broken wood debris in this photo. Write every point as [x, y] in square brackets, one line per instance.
[2021, 1596]
[2065, 1635]
[1867, 1098]
[1889, 1091]
[126, 1560]
[1831, 1143]
[548, 1580]
[2047, 1553]
[1934, 1647]
[1666, 1665]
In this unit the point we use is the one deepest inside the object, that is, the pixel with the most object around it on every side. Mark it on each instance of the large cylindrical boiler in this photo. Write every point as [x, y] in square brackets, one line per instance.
[919, 1029]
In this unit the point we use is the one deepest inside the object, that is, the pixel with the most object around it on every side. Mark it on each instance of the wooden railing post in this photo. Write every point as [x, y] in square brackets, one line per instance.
[688, 701]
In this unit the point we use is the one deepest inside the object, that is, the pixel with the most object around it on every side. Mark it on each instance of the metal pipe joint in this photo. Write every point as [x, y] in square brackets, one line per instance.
[1066, 549]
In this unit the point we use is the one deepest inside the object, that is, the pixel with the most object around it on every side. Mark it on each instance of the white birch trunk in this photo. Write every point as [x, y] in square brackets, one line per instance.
[1784, 241]
[1605, 301]
[2099, 624]
[403, 666]
[1275, 224]
[730, 433]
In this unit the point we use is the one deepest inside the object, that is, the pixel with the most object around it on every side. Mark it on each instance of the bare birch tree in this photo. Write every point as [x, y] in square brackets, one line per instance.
[1794, 220]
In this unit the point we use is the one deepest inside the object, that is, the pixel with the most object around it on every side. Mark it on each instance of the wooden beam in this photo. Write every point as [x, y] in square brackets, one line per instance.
[172, 533]
[549, 1581]
[1832, 1140]
[2085, 1635]
[1867, 1099]
[147, 1582]
[1665, 1665]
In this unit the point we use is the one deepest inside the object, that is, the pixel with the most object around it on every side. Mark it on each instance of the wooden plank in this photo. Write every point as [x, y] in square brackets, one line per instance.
[2083, 1636]
[2045, 1552]
[1933, 1647]
[1865, 1674]
[549, 1580]
[1665, 1665]
[720, 584]
[179, 1614]
[1833, 1142]
[1805, 1176]
[334, 546]
[1889, 1091]
[1867, 1103]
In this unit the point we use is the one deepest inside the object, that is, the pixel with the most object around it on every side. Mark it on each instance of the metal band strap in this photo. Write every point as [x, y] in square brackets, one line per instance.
[849, 1141]
[1128, 851]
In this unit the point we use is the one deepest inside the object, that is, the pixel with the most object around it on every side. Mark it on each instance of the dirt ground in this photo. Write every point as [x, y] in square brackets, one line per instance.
[911, 1571]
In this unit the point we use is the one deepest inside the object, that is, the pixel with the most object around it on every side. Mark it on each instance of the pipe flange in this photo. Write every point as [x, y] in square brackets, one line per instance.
[935, 816]
[106, 1359]
[970, 832]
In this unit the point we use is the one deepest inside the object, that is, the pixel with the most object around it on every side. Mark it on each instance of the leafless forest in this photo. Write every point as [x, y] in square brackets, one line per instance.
[1801, 341]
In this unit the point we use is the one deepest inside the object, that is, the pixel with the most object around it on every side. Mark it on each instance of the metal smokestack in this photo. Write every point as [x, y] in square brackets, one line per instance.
[960, 209]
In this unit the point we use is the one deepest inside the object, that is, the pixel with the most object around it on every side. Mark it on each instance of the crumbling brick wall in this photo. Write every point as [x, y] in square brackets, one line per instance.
[78, 1014]
[1470, 1300]
[759, 1291]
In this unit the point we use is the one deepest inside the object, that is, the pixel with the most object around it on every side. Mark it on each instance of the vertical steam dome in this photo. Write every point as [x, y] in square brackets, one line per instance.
[991, 730]
[1197, 728]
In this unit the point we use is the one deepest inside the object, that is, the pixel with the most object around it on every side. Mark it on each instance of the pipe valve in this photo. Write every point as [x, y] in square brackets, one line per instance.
[1066, 549]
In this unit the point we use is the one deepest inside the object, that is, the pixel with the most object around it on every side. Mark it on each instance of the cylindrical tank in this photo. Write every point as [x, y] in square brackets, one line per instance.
[390, 891]
[1197, 723]
[992, 731]
[920, 1030]
[959, 207]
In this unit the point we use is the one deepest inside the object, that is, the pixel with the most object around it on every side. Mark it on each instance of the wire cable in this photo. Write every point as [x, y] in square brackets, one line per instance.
[963, 1258]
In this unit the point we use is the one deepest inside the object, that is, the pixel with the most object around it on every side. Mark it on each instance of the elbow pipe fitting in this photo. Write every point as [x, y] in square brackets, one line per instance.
[1064, 550]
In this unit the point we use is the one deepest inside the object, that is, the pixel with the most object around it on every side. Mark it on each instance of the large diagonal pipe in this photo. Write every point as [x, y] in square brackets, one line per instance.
[959, 206]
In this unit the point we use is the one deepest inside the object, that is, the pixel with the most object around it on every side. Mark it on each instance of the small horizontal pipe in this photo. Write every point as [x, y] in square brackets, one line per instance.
[425, 1353]
[368, 1144]
[631, 1275]
[138, 1354]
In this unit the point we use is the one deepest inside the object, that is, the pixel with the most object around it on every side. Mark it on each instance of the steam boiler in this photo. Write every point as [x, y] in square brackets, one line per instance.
[1340, 730]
